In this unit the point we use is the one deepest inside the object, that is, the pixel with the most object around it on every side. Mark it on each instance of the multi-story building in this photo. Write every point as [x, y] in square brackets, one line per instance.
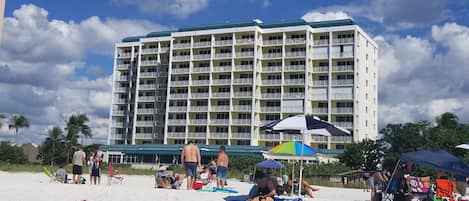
[218, 84]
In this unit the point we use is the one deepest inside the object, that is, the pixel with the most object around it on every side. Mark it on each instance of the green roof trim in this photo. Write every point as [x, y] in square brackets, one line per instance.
[329, 23]
[331, 151]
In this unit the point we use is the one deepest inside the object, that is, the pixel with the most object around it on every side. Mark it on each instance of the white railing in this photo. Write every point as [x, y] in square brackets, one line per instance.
[343, 54]
[223, 42]
[272, 82]
[221, 94]
[342, 82]
[176, 135]
[222, 81]
[164, 49]
[117, 124]
[244, 54]
[319, 110]
[343, 124]
[295, 40]
[148, 62]
[146, 110]
[198, 108]
[219, 135]
[180, 83]
[342, 110]
[198, 121]
[121, 89]
[120, 101]
[146, 98]
[202, 44]
[341, 95]
[244, 67]
[241, 135]
[180, 70]
[343, 40]
[272, 55]
[294, 95]
[122, 66]
[294, 81]
[178, 95]
[145, 123]
[272, 42]
[122, 78]
[320, 82]
[181, 58]
[341, 138]
[148, 74]
[196, 134]
[162, 86]
[292, 137]
[295, 68]
[200, 82]
[147, 86]
[177, 108]
[124, 54]
[242, 107]
[244, 40]
[270, 109]
[221, 68]
[243, 94]
[220, 121]
[164, 62]
[342, 68]
[321, 96]
[321, 42]
[271, 95]
[199, 95]
[117, 136]
[221, 108]
[242, 81]
[318, 138]
[202, 56]
[319, 69]
[298, 109]
[296, 54]
[320, 55]
[271, 68]
[118, 112]
[269, 136]
[265, 122]
[223, 55]
[163, 74]
[181, 45]
[150, 50]
[176, 121]
[201, 69]
[144, 135]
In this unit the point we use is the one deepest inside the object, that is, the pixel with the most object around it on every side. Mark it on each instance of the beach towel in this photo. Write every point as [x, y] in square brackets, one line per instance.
[418, 184]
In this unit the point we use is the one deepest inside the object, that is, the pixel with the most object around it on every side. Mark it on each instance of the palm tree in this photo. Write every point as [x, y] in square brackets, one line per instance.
[52, 149]
[2, 117]
[447, 120]
[17, 122]
[76, 125]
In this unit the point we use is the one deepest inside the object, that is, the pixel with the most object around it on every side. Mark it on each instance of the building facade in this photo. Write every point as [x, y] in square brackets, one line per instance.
[218, 84]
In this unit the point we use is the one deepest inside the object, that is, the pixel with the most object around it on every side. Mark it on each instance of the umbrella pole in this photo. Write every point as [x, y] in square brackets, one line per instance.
[301, 165]
[292, 175]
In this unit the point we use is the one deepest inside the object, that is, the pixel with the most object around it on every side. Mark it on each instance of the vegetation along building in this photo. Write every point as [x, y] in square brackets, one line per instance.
[218, 84]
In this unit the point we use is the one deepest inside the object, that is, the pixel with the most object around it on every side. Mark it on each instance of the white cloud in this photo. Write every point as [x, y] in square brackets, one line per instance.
[314, 16]
[177, 8]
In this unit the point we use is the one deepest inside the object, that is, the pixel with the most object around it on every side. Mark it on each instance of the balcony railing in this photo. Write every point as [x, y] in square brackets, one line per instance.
[201, 69]
[150, 50]
[242, 107]
[118, 124]
[122, 66]
[241, 135]
[295, 54]
[245, 41]
[346, 82]
[198, 108]
[118, 112]
[181, 45]
[295, 81]
[342, 54]
[320, 69]
[271, 95]
[321, 42]
[120, 101]
[265, 122]
[221, 81]
[292, 137]
[203, 44]
[294, 95]
[146, 98]
[164, 49]
[144, 135]
[199, 95]
[343, 124]
[321, 83]
[176, 135]
[180, 70]
[223, 42]
[145, 123]
[342, 96]
[295, 109]
[178, 95]
[342, 110]
[242, 81]
[222, 55]
[221, 94]
[269, 136]
[122, 78]
[320, 55]
[295, 41]
[146, 110]
[148, 74]
[181, 58]
[341, 139]
[220, 121]
[176, 121]
[342, 68]
[147, 86]
[124, 54]
[318, 138]
[270, 109]
[121, 89]
[221, 68]
[244, 54]
[223, 108]
[271, 68]
[244, 67]
[197, 135]
[163, 74]
[219, 135]
[177, 108]
[202, 56]
[319, 110]
[272, 55]
[272, 42]
[180, 83]
[295, 68]
[342, 41]
[243, 94]
[200, 82]
[198, 121]
[272, 82]
[318, 96]
[148, 63]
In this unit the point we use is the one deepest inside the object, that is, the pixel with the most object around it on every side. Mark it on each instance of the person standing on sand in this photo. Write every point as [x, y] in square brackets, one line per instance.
[90, 164]
[222, 167]
[99, 159]
[78, 163]
[190, 157]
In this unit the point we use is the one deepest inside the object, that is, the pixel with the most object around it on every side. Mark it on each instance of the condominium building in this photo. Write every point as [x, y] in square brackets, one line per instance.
[218, 84]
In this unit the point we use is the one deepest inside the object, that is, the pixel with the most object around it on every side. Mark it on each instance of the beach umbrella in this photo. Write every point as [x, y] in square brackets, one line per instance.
[270, 164]
[305, 124]
[463, 146]
[294, 148]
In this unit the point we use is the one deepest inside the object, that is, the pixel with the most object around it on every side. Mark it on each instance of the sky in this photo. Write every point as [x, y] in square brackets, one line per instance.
[56, 56]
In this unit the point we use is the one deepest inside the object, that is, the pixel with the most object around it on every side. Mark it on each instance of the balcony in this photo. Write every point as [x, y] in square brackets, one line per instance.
[164, 49]
[319, 110]
[272, 82]
[219, 135]
[164, 62]
[181, 45]
[180, 70]
[118, 112]
[162, 74]
[244, 67]
[295, 81]
[320, 83]
[343, 68]
[198, 121]
[241, 135]
[220, 121]
[347, 82]
[242, 94]
[295, 68]
[178, 96]
[242, 81]
[146, 110]
[293, 109]
[202, 56]
[342, 139]
[342, 110]
[271, 68]
[343, 124]
[146, 98]
[318, 96]
[176, 121]
[200, 82]
[342, 54]
[272, 55]
[292, 137]
[295, 54]
[223, 55]
[221, 94]
[199, 95]
[198, 108]
[320, 69]
[148, 63]
[201, 69]
[342, 96]
[223, 42]
[147, 86]
[181, 58]
[340, 41]
[269, 137]
[221, 108]
[318, 138]
[317, 55]
[244, 54]
[244, 41]
[122, 78]
[265, 122]
[222, 69]
[221, 81]
[242, 108]
[321, 42]
[176, 135]
[203, 44]
[124, 55]
[270, 109]
[273, 42]
[271, 95]
[150, 51]
[294, 95]
[117, 136]
[180, 83]
[197, 135]
[295, 41]
[122, 66]
[146, 136]
[148, 74]
[121, 89]
[177, 108]
[120, 101]
[118, 124]
[145, 123]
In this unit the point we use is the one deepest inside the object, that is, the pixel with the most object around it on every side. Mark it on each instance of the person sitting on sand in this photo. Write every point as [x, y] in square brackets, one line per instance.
[162, 179]
[205, 176]
[265, 188]
[306, 187]
[61, 175]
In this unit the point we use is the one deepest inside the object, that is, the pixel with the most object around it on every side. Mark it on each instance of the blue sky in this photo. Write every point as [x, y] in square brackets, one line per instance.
[56, 56]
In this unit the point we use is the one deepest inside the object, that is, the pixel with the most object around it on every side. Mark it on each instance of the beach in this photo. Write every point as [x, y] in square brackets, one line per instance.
[36, 186]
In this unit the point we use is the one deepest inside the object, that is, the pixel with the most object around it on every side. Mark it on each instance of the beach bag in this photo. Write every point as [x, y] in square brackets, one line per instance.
[197, 185]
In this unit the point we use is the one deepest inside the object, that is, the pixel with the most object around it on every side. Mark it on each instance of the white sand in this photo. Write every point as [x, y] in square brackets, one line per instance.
[36, 187]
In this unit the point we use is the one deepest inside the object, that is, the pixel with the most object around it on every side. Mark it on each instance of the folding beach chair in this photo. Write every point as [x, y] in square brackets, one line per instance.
[112, 178]
[445, 188]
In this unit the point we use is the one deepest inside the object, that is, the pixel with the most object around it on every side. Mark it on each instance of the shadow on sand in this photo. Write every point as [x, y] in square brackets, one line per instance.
[236, 198]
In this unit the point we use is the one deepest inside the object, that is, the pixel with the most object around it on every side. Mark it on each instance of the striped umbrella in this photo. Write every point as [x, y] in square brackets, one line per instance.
[293, 148]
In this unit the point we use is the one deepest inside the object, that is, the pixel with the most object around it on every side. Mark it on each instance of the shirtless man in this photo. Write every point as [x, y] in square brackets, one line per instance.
[190, 157]
[222, 165]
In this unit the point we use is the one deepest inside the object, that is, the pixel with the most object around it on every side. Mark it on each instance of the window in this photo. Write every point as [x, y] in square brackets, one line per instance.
[245, 89]
[322, 105]
[200, 129]
[185, 41]
[272, 117]
[221, 129]
[205, 39]
[323, 37]
[244, 129]
[339, 146]
[225, 50]
[247, 62]
[223, 116]
[224, 76]
[247, 49]
[245, 75]
[224, 89]
[296, 90]
[366, 96]
[274, 51]
[243, 142]
[204, 64]
[344, 104]
[226, 38]
[277, 63]
[366, 83]
[323, 77]
[223, 102]
[300, 62]
[184, 65]
[297, 76]
[273, 104]
[274, 77]
[273, 90]
[221, 142]
[203, 77]
[344, 119]
[344, 77]
[244, 116]
[202, 90]
[201, 103]
[204, 52]
[225, 63]
[298, 49]
[179, 141]
[277, 37]
[322, 146]
[366, 109]
[244, 102]
[251, 36]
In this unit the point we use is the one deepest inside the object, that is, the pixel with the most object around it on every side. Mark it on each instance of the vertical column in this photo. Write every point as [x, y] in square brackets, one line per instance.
[137, 84]
[168, 90]
[255, 130]
[329, 85]
[114, 72]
